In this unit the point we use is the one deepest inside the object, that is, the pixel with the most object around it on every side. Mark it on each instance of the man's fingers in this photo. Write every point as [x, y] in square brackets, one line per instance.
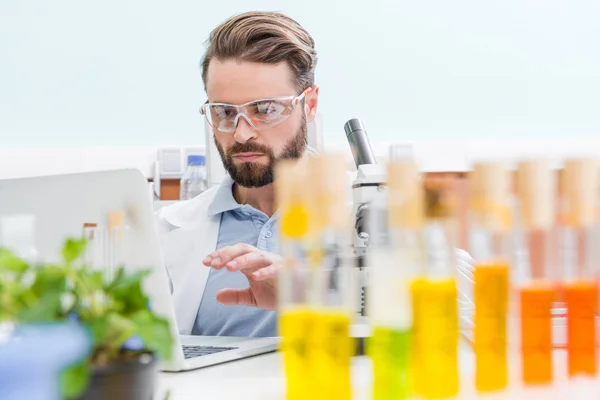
[217, 259]
[265, 273]
[236, 297]
[250, 261]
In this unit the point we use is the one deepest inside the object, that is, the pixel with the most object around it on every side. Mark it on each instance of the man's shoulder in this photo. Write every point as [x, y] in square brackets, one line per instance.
[185, 212]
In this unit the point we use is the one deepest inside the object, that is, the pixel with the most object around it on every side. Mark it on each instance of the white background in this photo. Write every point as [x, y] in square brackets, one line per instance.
[126, 72]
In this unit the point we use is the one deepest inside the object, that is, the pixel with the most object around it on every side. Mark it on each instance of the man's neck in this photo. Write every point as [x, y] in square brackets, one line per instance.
[262, 198]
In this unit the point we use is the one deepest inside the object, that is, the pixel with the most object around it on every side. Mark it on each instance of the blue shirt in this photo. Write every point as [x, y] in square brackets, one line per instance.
[239, 224]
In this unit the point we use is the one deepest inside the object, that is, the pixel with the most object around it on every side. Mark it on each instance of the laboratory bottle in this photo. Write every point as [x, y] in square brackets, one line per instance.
[194, 179]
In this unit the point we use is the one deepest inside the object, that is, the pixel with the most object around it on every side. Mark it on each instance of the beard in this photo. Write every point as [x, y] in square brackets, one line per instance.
[253, 174]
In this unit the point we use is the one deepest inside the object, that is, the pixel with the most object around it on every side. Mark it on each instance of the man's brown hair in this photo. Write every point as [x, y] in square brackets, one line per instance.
[264, 37]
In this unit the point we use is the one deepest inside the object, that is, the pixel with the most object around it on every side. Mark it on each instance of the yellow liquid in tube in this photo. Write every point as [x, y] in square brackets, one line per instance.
[490, 345]
[296, 320]
[436, 338]
[330, 354]
[294, 326]
[418, 381]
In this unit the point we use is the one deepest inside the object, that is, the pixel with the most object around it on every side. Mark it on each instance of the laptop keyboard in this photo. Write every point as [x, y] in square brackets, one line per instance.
[198, 351]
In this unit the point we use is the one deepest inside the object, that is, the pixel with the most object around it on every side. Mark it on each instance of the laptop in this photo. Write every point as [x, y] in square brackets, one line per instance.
[72, 205]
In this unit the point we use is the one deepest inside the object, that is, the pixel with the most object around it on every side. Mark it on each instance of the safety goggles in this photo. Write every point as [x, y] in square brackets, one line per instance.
[260, 114]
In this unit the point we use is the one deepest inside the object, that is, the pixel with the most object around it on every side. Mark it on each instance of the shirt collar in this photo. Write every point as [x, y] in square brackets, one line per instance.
[223, 200]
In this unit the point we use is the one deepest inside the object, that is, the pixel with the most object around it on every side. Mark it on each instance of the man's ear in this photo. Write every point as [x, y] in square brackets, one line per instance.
[311, 102]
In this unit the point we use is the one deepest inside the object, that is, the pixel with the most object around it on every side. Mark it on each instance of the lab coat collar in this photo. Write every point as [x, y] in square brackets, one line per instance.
[223, 199]
[189, 212]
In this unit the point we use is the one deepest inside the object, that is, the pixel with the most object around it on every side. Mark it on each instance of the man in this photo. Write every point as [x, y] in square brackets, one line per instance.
[220, 248]
[258, 72]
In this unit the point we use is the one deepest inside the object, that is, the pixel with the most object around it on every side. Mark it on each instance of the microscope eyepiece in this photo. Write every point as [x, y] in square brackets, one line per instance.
[353, 125]
[359, 142]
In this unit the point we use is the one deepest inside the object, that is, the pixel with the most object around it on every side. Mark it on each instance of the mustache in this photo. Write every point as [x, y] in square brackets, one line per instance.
[248, 147]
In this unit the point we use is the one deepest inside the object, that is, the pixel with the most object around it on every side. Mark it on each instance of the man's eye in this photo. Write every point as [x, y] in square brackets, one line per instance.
[224, 112]
[269, 108]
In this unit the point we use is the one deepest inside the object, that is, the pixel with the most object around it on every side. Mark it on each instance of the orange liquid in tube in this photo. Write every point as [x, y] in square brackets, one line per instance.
[581, 298]
[536, 291]
[580, 287]
[536, 332]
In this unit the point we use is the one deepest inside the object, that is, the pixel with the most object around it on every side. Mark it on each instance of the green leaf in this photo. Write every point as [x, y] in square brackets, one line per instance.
[73, 249]
[9, 261]
[124, 281]
[117, 279]
[47, 308]
[42, 301]
[127, 290]
[50, 279]
[89, 281]
[112, 330]
[74, 380]
[99, 329]
[155, 333]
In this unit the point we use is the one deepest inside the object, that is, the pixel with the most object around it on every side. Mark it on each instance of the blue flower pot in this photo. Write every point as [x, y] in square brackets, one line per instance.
[32, 357]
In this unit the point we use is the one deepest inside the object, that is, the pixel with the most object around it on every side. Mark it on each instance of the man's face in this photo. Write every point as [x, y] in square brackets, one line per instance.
[248, 154]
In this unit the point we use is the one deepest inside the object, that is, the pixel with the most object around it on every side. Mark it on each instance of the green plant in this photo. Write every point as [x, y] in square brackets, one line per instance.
[115, 311]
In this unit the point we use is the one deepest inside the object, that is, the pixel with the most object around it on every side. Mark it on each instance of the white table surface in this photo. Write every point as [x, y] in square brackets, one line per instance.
[261, 377]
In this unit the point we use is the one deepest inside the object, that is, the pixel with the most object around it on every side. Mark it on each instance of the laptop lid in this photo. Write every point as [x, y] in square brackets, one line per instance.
[63, 204]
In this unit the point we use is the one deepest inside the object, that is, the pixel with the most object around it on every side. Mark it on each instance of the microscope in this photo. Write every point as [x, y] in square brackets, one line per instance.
[366, 188]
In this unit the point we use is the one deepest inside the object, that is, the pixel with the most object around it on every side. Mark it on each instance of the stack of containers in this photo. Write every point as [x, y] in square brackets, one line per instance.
[412, 304]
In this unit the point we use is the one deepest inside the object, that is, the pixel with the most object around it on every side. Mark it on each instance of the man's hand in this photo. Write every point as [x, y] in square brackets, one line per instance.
[260, 267]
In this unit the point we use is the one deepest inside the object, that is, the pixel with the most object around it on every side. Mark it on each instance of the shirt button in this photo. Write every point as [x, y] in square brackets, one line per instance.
[268, 234]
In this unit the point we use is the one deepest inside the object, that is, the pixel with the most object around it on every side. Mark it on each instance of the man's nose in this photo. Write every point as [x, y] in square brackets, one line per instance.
[244, 131]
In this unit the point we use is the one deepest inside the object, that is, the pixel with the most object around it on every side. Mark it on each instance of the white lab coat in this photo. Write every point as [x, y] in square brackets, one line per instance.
[188, 234]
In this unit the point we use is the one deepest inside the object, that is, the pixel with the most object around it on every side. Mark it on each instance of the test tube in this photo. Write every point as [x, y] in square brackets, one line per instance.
[580, 264]
[435, 298]
[489, 244]
[95, 251]
[295, 317]
[330, 266]
[395, 260]
[536, 284]
[117, 243]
